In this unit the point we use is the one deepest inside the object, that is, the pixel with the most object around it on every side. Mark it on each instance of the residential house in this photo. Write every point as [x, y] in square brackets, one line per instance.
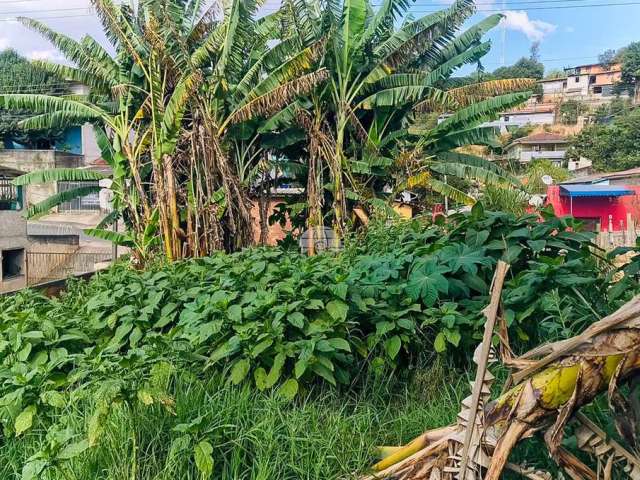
[601, 207]
[538, 146]
[592, 83]
[624, 177]
[531, 114]
[606, 201]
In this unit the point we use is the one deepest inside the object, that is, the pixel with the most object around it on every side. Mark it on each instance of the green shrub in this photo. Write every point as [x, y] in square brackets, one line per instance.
[279, 320]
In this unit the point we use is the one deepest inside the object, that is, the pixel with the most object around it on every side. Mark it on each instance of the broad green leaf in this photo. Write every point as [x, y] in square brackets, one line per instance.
[73, 450]
[235, 313]
[24, 420]
[296, 319]
[33, 469]
[276, 370]
[289, 389]
[145, 397]
[392, 346]
[338, 310]
[260, 377]
[440, 343]
[53, 398]
[340, 344]
[240, 370]
[203, 455]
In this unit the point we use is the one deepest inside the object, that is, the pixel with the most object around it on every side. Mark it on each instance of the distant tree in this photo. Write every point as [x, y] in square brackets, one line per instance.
[540, 168]
[629, 56]
[523, 68]
[610, 147]
[18, 75]
[607, 58]
[608, 111]
[534, 52]
[571, 110]
[553, 74]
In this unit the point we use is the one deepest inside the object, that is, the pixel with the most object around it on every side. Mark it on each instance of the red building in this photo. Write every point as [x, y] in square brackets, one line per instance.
[597, 204]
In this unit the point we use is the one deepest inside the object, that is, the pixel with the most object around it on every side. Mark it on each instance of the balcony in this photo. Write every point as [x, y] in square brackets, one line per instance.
[555, 155]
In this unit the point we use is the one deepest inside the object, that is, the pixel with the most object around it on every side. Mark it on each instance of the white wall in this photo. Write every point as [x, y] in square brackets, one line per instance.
[90, 148]
[520, 120]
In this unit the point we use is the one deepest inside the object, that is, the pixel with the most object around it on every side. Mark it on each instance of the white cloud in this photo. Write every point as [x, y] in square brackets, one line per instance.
[4, 43]
[535, 30]
[50, 55]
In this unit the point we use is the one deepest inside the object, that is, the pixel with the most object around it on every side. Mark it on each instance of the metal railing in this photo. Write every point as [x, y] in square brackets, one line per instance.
[89, 202]
[44, 267]
[10, 195]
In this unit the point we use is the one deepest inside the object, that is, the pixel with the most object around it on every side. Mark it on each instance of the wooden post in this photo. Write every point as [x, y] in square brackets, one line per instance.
[491, 313]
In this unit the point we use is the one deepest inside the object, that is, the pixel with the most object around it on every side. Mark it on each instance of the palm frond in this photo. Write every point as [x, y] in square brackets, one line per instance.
[399, 96]
[278, 98]
[478, 113]
[475, 161]
[453, 193]
[419, 37]
[111, 218]
[474, 93]
[54, 120]
[292, 68]
[354, 16]
[58, 175]
[121, 239]
[471, 172]
[444, 70]
[282, 119]
[468, 39]
[486, 136]
[59, 198]
[50, 104]
[387, 14]
[174, 112]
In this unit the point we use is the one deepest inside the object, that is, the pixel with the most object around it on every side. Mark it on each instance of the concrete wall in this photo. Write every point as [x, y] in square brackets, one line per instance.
[598, 207]
[521, 120]
[14, 236]
[90, 148]
[27, 161]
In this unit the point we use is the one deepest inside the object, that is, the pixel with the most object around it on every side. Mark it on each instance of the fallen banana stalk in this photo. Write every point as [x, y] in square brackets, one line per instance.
[570, 375]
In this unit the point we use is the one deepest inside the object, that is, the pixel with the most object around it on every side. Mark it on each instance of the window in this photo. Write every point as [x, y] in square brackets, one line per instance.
[577, 79]
[592, 79]
[506, 118]
[597, 89]
[12, 263]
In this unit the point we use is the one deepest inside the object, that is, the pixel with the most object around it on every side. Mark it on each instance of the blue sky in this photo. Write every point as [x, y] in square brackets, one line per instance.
[567, 37]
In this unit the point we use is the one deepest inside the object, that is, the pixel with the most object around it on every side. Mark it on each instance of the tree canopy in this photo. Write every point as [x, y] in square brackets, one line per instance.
[196, 110]
[18, 75]
[611, 147]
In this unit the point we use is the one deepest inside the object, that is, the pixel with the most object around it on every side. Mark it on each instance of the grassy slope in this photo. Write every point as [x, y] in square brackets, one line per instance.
[322, 435]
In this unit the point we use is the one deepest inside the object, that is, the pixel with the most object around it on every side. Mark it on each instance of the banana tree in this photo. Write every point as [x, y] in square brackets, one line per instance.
[169, 101]
[383, 79]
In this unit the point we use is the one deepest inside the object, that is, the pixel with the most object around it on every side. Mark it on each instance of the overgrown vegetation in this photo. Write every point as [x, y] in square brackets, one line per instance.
[18, 75]
[273, 320]
[197, 110]
[611, 147]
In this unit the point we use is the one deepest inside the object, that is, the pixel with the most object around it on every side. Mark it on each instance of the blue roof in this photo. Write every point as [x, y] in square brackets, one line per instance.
[594, 191]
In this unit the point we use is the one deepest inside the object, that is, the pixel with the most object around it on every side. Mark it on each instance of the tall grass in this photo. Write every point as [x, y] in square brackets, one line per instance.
[322, 435]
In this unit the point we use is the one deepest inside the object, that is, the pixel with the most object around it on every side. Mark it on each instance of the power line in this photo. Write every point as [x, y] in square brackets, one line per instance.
[54, 10]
